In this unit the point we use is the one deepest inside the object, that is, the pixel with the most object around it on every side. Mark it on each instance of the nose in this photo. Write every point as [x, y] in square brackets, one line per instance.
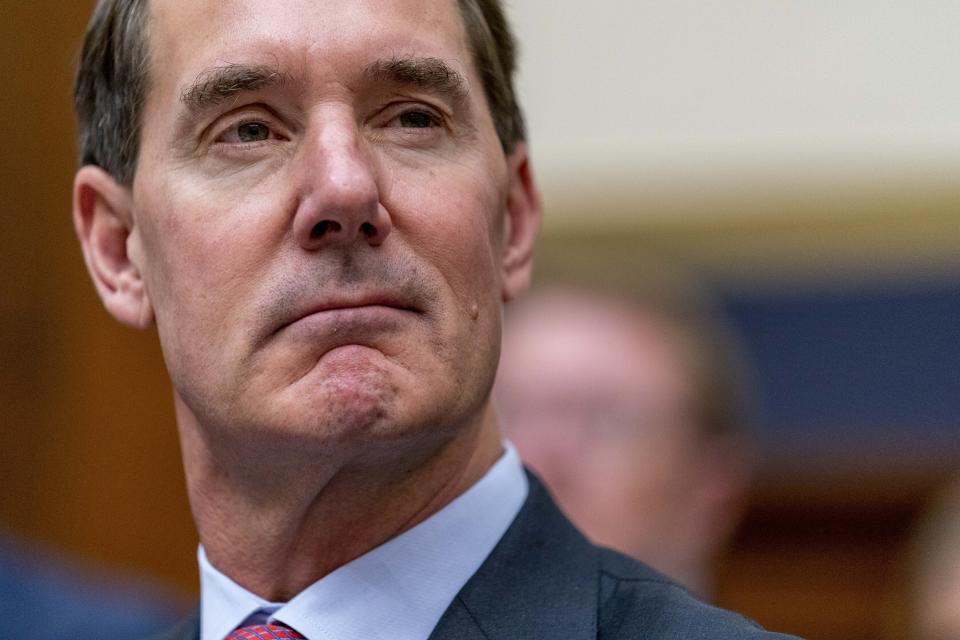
[340, 201]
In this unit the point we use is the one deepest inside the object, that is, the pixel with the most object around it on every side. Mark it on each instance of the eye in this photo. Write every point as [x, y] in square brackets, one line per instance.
[248, 132]
[416, 120]
[412, 123]
[412, 116]
[253, 132]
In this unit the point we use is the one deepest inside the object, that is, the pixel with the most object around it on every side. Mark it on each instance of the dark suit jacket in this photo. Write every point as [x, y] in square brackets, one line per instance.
[545, 580]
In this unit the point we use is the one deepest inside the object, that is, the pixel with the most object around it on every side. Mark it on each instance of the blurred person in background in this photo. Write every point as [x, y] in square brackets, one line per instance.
[628, 404]
[935, 568]
[44, 596]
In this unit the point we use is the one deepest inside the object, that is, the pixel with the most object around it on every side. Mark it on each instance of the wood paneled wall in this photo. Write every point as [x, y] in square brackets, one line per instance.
[90, 462]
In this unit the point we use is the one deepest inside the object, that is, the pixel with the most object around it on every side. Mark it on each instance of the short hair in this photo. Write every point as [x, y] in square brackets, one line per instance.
[113, 76]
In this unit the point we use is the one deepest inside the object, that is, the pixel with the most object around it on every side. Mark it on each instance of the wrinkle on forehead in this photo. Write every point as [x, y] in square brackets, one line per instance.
[321, 43]
[317, 41]
[227, 27]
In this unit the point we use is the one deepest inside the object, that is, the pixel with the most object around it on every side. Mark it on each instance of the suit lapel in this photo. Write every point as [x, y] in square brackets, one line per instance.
[540, 581]
[457, 622]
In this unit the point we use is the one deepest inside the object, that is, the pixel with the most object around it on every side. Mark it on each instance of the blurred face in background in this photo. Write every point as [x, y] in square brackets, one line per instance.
[599, 400]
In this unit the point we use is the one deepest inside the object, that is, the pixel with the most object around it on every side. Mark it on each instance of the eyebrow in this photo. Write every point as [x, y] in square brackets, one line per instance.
[432, 75]
[219, 84]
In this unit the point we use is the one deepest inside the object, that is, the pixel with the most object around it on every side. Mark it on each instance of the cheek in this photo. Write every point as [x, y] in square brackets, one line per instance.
[202, 251]
[468, 261]
[454, 224]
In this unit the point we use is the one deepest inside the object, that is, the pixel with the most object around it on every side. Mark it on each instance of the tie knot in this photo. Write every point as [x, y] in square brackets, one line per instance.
[265, 632]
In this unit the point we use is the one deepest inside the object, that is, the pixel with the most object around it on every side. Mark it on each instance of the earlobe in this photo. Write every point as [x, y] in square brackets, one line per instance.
[524, 214]
[103, 221]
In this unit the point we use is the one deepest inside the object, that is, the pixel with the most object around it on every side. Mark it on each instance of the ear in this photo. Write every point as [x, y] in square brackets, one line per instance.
[102, 218]
[522, 223]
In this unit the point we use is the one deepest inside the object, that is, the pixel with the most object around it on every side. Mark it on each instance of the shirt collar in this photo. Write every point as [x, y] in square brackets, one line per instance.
[397, 591]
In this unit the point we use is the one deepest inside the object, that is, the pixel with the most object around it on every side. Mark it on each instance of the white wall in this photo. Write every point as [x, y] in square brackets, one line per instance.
[634, 94]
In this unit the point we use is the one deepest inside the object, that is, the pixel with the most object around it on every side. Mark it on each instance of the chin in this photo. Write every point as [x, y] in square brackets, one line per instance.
[353, 402]
[363, 410]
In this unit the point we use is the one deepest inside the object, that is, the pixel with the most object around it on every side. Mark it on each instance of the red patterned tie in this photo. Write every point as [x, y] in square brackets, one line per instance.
[265, 632]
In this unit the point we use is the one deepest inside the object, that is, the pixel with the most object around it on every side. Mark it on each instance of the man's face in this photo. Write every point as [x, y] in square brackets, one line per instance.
[319, 216]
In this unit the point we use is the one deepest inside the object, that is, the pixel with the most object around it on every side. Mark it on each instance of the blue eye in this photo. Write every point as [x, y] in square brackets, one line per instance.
[416, 120]
[253, 132]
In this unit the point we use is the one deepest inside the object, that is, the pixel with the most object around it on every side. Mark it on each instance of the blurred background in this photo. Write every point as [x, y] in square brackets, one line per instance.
[800, 158]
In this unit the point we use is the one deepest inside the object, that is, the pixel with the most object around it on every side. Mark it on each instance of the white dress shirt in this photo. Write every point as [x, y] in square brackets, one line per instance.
[397, 591]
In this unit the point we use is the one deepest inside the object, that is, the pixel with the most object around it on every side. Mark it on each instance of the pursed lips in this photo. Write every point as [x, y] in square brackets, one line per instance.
[352, 307]
[315, 332]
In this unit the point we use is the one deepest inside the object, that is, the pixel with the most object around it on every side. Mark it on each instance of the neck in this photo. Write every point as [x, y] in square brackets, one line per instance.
[281, 533]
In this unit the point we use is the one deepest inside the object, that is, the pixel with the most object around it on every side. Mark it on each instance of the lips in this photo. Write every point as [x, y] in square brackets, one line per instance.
[352, 306]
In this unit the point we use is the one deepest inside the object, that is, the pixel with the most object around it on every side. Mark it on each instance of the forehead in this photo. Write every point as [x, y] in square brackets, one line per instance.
[330, 37]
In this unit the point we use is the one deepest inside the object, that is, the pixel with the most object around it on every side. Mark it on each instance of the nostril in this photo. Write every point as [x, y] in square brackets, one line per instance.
[368, 229]
[323, 227]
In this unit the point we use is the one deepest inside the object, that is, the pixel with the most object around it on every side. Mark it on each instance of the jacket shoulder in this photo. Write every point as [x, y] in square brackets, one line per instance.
[638, 602]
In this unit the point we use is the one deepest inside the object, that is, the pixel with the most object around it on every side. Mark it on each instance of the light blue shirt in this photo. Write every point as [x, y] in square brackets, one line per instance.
[397, 591]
